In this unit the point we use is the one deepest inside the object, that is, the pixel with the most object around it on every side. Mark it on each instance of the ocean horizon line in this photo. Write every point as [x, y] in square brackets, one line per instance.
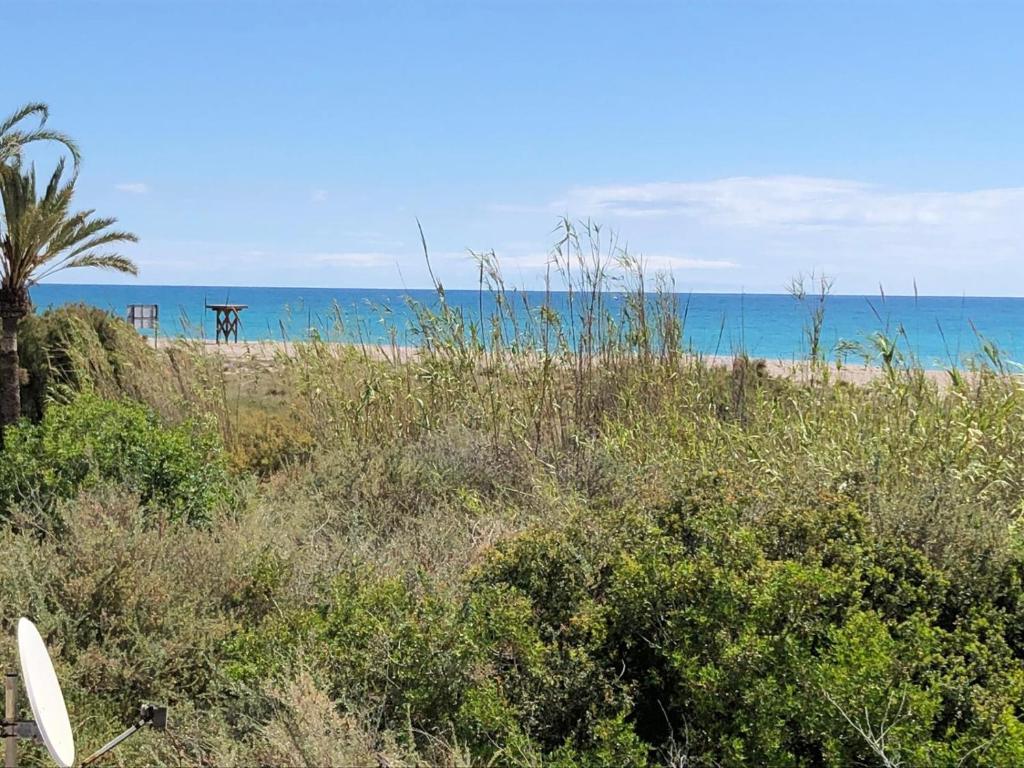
[447, 289]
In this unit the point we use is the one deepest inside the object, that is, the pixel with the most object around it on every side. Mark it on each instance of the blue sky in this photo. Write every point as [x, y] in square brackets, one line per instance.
[735, 144]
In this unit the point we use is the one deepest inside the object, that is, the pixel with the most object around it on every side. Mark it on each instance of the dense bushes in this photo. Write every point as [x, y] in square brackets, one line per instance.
[685, 637]
[729, 585]
[88, 441]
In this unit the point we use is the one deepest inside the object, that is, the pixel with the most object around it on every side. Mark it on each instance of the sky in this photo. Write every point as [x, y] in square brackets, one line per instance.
[733, 144]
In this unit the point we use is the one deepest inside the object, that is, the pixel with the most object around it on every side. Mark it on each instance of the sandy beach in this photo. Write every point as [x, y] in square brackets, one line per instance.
[265, 351]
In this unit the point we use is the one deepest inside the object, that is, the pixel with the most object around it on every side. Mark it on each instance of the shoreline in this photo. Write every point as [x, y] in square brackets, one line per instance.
[267, 350]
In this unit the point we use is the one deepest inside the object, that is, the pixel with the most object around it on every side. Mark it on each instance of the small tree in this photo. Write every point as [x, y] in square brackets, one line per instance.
[42, 236]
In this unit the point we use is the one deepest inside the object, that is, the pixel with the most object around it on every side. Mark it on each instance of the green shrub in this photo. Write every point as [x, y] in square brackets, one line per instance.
[414, 657]
[750, 650]
[263, 442]
[89, 441]
[683, 636]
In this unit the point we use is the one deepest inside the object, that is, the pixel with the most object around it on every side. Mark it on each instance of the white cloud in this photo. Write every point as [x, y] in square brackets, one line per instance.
[133, 187]
[355, 259]
[535, 260]
[796, 201]
[682, 263]
[319, 196]
[762, 230]
[740, 234]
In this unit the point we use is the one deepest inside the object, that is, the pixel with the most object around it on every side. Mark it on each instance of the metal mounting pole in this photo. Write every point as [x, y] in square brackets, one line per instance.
[10, 721]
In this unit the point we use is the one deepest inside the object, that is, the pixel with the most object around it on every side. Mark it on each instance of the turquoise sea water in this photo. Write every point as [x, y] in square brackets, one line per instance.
[938, 329]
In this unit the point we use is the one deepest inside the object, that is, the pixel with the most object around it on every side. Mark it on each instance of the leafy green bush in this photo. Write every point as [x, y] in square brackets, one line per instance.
[686, 636]
[832, 649]
[89, 441]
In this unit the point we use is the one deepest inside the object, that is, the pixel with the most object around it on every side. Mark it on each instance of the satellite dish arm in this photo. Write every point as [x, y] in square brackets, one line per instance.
[149, 714]
[111, 744]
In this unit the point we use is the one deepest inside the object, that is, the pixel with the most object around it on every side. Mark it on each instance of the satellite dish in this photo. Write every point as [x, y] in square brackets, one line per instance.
[44, 695]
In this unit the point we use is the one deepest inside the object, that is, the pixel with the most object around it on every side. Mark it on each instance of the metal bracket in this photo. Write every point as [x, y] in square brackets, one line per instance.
[155, 715]
[26, 729]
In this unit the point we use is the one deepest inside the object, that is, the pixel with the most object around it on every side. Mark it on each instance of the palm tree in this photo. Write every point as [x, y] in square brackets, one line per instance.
[43, 236]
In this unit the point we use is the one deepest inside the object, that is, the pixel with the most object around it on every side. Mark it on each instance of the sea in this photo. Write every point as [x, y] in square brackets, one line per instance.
[934, 331]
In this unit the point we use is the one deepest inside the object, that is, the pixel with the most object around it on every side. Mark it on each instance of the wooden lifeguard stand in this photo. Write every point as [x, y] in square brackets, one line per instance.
[227, 319]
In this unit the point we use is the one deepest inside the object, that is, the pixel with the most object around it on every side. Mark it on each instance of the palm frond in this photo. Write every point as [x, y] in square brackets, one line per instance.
[114, 261]
[13, 139]
[54, 186]
[45, 236]
[42, 111]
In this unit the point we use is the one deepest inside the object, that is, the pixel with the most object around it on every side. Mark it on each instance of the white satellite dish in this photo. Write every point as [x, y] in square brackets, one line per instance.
[52, 725]
[44, 695]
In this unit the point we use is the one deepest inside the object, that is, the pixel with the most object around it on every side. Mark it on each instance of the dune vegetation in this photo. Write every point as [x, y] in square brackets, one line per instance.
[542, 538]
[540, 543]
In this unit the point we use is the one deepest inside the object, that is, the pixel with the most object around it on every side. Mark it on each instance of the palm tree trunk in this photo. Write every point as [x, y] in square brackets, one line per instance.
[10, 371]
